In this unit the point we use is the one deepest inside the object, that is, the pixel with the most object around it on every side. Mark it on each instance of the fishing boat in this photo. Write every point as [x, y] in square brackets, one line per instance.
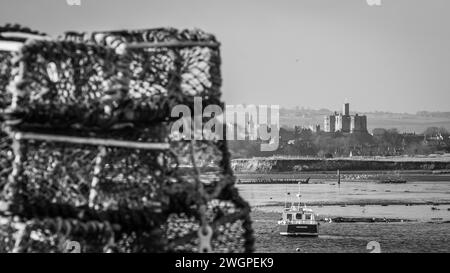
[298, 221]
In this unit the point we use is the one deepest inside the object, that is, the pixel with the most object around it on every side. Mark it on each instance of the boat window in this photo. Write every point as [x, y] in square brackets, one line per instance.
[298, 216]
[289, 216]
[308, 216]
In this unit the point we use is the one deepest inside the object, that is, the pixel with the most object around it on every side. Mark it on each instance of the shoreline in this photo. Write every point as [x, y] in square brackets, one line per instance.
[360, 203]
[341, 219]
[286, 164]
[369, 176]
[258, 214]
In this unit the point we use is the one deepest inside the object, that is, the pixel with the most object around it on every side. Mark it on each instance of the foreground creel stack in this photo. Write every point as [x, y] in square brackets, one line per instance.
[86, 150]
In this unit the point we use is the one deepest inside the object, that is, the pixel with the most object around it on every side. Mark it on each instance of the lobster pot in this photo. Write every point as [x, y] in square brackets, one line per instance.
[6, 75]
[167, 67]
[5, 152]
[91, 164]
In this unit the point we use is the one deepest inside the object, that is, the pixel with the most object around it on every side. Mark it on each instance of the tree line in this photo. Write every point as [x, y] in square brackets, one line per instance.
[382, 142]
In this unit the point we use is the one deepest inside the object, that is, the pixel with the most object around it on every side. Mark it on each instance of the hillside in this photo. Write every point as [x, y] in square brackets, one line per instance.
[404, 122]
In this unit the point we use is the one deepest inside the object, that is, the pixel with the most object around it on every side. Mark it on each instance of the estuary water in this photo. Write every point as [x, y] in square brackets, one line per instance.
[426, 203]
[421, 200]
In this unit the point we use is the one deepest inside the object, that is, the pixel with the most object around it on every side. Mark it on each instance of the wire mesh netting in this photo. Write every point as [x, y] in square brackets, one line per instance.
[60, 186]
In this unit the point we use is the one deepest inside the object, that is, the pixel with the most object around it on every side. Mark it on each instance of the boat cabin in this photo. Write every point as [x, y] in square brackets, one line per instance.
[295, 214]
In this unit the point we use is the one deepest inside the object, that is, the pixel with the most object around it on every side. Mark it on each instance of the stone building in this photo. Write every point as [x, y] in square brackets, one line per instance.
[358, 124]
[315, 128]
[329, 123]
[345, 123]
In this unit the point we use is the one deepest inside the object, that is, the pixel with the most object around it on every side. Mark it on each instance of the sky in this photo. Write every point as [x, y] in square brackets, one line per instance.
[311, 53]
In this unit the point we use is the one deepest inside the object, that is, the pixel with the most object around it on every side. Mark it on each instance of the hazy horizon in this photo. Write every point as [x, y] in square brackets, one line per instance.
[352, 111]
[320, 53]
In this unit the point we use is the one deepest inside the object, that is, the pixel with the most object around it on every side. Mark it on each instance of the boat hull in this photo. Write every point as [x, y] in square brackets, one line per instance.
[299, 229]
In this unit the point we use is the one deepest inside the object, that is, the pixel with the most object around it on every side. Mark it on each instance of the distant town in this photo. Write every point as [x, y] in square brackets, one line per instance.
[343, 134]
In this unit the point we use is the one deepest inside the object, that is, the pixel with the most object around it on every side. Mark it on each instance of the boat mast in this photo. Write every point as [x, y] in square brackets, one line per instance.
[339, 176]
[285, 196]
[298, 195]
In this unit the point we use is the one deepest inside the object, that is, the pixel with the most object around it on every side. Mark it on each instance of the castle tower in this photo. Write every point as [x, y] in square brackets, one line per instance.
[346, 109]
[330, 124]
